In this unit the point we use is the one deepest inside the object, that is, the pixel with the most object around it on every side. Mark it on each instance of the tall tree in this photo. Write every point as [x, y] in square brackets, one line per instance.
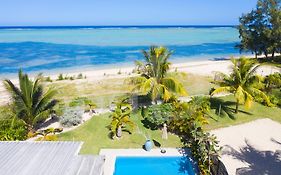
[30, 101]
[154, 80]
[260, 29]
[242, 82]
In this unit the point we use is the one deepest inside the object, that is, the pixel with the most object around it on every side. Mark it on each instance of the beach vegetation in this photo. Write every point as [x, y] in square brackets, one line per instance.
[121, 119]
[260, 29]
[30, 101]
[242, 82]
[154, 80]
[73, 77]
[71, 117]
[48, 79]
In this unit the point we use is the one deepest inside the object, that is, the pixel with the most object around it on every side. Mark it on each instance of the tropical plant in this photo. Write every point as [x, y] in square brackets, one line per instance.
[121, 118]
[242, 82]
[154, 80]
[272, 81]
[48, 134]
[187, 122]
[156, 115]
[12, 129]
[30, 102]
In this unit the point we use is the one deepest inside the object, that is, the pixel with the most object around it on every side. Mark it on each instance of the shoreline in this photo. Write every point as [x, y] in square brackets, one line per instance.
[128, 67]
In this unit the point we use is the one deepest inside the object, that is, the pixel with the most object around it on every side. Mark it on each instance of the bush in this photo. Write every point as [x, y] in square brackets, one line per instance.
[48, 79]
[71, 117]
[11, 130]
[60, 77]
[156, 115]
[80, 76]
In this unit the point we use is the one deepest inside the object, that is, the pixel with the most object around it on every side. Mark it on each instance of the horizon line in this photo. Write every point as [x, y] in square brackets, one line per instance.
[99, 26]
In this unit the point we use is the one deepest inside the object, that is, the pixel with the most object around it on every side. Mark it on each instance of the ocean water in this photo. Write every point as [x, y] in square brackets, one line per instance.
[36, 49]
[153, 166]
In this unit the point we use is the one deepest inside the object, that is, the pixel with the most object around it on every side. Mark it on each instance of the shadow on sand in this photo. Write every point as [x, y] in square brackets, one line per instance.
[260, 162]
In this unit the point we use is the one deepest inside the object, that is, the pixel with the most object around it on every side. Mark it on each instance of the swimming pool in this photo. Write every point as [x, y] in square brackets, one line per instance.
[153, 166]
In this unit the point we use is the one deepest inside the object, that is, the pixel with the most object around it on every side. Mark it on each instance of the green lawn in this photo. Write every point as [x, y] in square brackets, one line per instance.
[94, 134]
[245, 115]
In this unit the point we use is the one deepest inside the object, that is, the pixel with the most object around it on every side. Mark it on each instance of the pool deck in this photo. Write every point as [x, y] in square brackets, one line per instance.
[251, 148]
[111, 154]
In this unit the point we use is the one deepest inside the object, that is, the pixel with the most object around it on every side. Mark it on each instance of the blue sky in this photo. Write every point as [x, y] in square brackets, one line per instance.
[122, 12]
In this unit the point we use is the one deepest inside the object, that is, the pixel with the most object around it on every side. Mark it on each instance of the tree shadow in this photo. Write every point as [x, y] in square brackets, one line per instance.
[156, 143]
[47, 123]
[149, 125]
[223, 108]
[260, 162]
[186, 164]
[275, 141]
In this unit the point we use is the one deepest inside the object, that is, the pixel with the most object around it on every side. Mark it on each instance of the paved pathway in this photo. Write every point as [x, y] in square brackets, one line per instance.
[252, 148]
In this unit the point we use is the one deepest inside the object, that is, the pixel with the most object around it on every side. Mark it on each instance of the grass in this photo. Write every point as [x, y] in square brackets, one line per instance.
[257, 111]
[94, 134]
[103, 92]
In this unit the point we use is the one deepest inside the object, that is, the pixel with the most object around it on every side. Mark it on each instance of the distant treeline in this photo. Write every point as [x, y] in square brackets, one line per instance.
[260, 29]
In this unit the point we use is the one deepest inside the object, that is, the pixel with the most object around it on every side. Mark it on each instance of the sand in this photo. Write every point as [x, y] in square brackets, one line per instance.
[205, 68]
[252, 148]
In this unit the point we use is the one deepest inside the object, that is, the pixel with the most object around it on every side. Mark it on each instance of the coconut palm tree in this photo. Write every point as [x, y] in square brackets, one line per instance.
[242, 82]
[121, 118]
[30, 102]
[154, 80]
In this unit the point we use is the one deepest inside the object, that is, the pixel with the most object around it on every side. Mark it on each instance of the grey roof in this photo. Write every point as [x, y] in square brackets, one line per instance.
[52, 158]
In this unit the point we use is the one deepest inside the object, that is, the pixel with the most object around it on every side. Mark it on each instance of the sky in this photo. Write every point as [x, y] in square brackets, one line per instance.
[122, 12]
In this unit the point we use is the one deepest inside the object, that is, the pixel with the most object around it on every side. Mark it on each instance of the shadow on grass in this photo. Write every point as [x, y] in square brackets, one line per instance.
[276, 60]
[224, 108]
[147, 124]
[259, 162]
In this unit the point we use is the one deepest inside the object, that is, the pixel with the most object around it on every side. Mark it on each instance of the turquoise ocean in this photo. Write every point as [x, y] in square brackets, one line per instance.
[39, 49]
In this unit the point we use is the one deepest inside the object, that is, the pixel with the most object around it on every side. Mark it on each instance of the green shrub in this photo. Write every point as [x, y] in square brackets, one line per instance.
[48, 79]
[80, 76]
[156, 115]
[60, 77]
[12, 129]
[71, 117]
[72, 78]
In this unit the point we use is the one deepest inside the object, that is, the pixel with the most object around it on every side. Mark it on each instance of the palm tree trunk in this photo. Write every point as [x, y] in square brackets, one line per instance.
[237, 106]
[119, 132]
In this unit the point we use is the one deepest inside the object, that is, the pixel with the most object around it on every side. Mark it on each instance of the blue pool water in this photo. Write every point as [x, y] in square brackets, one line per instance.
[38, 49]
[153, 166]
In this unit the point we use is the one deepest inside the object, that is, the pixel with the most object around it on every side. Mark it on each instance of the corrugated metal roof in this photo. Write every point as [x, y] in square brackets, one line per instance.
[52, 158]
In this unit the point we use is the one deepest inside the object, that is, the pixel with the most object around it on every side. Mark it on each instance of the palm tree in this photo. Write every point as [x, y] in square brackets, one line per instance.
[154, 80]
[242, 82]
[30, 101]
[121, 118]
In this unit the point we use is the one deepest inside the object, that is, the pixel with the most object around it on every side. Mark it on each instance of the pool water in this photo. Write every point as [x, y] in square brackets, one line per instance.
[153, 166]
